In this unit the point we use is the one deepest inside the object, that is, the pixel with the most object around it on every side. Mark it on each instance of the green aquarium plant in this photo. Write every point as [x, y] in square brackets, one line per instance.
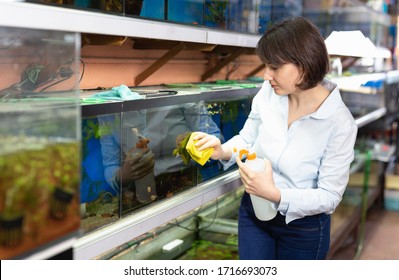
[18, 180]
[19, 198]
[66, 172]
[182, 151]
[215, 12]
[208, 250]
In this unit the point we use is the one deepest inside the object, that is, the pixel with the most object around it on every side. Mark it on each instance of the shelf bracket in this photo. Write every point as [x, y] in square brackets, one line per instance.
[236, 53]
[256, 70]
[159, 63]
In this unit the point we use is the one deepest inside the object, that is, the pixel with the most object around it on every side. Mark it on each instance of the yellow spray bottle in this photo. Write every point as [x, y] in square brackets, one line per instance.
[263, 208]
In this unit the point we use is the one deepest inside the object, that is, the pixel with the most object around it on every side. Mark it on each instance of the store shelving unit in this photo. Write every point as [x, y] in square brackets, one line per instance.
[15, 14]
[367, 177]
[373, 24]
[181, 37]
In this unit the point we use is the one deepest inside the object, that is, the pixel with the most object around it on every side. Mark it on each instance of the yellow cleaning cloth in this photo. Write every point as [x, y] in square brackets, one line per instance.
[199, 156]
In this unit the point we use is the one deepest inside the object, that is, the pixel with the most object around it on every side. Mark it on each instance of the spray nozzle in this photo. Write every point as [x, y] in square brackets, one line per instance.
[250, 155]
[142, 142]
[241, 152]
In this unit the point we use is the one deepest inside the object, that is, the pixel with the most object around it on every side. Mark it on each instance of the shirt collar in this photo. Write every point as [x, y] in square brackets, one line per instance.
[332, 102]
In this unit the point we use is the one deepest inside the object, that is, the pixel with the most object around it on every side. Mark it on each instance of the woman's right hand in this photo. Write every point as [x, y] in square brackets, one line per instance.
[205, 141]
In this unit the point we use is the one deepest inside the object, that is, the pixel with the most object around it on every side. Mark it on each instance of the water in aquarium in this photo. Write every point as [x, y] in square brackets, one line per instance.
[264, 15]
[285, 8]
[216, 13]
[186, 11]
[154, 10]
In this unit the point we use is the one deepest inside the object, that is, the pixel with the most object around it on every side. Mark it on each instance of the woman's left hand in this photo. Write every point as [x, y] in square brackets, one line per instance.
[259, 183]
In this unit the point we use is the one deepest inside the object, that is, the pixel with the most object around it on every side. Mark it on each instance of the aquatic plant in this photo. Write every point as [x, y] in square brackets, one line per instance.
[19, 178]
[207, 250]
[181, 149]
[215, 12]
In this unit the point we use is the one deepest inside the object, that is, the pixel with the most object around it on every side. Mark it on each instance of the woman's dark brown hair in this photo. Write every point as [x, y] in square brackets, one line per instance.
[296, 40]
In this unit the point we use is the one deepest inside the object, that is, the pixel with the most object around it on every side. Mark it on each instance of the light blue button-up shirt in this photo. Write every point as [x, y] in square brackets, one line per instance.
[310, 159]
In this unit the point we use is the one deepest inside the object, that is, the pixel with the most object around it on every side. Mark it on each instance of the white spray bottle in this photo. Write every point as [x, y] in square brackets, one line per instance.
[262, 207]
[145, 186]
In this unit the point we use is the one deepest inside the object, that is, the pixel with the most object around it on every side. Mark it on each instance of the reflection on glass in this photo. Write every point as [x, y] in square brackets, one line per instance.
[138, 153]
[99, 202]
[244, 15]
[133, 159]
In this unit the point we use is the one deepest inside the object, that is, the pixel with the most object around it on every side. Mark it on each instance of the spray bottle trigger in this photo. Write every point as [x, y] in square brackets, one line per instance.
[251, 156]
[243, 152]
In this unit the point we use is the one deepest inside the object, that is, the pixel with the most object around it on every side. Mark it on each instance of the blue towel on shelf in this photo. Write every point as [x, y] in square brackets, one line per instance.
[374, 84]
[117, 93]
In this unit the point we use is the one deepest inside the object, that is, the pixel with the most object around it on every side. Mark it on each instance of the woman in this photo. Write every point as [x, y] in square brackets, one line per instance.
[300, 125]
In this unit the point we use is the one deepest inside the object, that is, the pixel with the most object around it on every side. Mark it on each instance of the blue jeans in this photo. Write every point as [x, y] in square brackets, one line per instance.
[303, 239]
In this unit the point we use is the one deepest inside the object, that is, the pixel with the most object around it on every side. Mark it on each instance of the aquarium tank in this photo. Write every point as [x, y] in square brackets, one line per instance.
[40, 140]
[134, 152]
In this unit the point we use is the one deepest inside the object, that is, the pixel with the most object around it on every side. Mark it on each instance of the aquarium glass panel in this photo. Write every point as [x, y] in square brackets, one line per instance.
[229, 116]
[133, 7]
[244, 15]
[186, 11]
[163, 131]
[154, 9]
[332, 16]
[264, 15]
[136, 156]
[40, 140]
[285, 8]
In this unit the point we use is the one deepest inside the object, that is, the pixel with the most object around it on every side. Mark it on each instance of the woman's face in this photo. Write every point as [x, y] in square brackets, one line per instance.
[283, 78]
